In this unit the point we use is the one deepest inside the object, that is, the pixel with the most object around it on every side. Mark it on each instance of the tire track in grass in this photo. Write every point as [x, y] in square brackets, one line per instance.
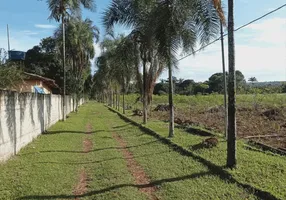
[136, 170]
[82, 185]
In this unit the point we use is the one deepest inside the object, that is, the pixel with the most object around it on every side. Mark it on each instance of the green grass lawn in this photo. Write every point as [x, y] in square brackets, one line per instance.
[49, 167]
[262, 170]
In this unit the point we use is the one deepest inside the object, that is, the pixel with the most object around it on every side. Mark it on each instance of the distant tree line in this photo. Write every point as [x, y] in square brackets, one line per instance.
[215, 85]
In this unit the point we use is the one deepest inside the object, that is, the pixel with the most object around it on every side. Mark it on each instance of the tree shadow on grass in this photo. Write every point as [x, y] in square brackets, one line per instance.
[91, 151]
[215, 169]
[117, 127]
[120, 186]
[65, 131]
[101, 161]
[197, 147]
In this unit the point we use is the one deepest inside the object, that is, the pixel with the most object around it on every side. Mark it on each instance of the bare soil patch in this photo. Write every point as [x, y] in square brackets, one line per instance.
[250, 122]
[87, 145]
[82, 184]
[88, 129]
[81, 187]
[135, 169]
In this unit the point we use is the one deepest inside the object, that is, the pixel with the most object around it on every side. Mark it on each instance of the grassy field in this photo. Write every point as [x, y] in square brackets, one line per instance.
[50, 167]
[257, 115]
[205, 101]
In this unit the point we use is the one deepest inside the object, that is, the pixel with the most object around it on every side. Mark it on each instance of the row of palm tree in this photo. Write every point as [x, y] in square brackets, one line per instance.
[115, 69]
[160, 31]
[79, 45]
[64, 10]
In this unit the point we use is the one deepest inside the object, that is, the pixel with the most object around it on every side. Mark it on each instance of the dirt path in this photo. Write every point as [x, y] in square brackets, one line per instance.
[82, 184]
[135, 169]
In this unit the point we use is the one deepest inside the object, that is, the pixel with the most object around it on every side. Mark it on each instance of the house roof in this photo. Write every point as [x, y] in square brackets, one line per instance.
[50, 82]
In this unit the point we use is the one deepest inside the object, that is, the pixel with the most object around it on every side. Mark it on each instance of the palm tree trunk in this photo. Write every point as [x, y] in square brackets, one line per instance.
[171, 105]
[224, 81]
[76, 104]
[110, 98]
[231, 142]
[144, 93]
[115, 93]
[64, 68]
[118, 104]
[123, 97]
[114, 100]
[137, 66]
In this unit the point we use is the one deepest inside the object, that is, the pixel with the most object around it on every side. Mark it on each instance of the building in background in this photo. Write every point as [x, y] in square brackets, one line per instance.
[37, 84]
[17, 55]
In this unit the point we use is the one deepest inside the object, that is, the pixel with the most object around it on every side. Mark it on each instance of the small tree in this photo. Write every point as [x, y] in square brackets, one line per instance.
[252, 80]
[10, 75]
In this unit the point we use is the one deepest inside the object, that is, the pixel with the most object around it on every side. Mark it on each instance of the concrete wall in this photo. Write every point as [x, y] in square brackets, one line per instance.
[24, 116]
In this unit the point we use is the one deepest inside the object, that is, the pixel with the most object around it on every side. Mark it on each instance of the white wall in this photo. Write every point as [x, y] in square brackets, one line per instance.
[24, 116]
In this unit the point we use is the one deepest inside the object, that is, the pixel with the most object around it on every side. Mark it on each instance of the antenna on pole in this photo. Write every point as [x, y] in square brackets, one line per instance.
[8, 36]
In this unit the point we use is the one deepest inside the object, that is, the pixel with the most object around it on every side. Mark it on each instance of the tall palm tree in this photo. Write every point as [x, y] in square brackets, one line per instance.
[231, 141]
[165, 26]
[80, 38]
[134, 14]
[180, 25]
[60, 9]
[123, 65]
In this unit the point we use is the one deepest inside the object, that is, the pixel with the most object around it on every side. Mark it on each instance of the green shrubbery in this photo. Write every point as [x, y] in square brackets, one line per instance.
[10, 75]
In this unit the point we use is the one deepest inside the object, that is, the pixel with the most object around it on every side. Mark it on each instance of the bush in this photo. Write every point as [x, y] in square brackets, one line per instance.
[10, 75]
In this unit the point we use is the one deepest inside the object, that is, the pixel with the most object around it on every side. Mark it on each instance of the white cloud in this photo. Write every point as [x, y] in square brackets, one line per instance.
[28, 32]
[269, 31]
[45, 26]
[260, 52]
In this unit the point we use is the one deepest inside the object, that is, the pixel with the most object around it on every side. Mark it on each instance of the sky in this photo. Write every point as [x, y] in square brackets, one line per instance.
[260, 47]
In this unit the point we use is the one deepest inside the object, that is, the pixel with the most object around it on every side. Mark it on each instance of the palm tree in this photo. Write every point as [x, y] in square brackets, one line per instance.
[180, 25]
[134, 14]
[124, 69]
[60, 9]
[116, 66]
[80, 38]
[252, 80]
[231, 142]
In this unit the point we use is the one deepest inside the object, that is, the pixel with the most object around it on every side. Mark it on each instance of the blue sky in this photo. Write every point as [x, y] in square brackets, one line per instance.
[260, 48]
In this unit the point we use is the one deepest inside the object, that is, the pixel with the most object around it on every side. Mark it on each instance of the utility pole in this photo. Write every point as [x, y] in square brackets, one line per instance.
[8, 36]
[231, 131]
[224, 81]
[64, 67]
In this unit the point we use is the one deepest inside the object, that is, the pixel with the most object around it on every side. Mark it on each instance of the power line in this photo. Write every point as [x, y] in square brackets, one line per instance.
[237, 29]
